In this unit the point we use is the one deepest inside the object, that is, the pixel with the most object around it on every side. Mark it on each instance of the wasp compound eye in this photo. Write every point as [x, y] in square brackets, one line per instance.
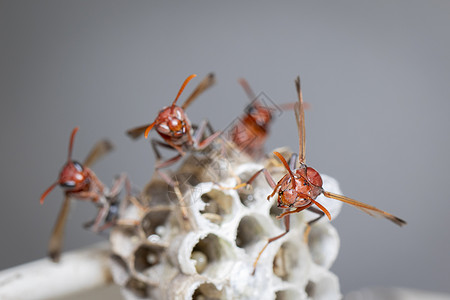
[78, 166]
[67, 184]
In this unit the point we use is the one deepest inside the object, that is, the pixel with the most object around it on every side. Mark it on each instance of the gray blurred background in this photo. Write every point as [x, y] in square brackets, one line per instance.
[376, 74]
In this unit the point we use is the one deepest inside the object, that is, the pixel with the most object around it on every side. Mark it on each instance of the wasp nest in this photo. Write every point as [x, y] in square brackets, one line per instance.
[200, 239]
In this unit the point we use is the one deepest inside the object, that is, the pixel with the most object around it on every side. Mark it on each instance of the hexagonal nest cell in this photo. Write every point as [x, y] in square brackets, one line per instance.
[247, 197]
[325, 288]
[323, 244]
[119, 269]
[274, 212]
[208, 291]
[154, 223]
[216, 253]
[147, 256]
[287, 295]
[137, 288]
[218, 206]
[198, 166]
[249, 232]
[285, 260]
[155, 192]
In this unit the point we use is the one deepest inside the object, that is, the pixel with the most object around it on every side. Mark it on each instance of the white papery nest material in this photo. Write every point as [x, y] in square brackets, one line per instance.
[203, 247]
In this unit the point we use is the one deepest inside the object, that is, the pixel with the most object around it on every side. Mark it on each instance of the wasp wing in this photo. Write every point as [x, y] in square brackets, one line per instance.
[248, 90]
[205, 84]
[369, 209]
[56, 239]
[136, 132]
[300, 117]
[101, 148]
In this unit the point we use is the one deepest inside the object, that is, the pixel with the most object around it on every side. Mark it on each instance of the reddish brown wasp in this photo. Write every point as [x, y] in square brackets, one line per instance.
[299, 189]
[80, 182]
[251, 132]
[173, 125]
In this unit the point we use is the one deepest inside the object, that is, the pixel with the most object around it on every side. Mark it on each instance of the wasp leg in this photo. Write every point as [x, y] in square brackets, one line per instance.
[287, 226]
[100, 218]
[298, 209]
[202, 144]
[118, 185]
[310, 223]
[170, 161]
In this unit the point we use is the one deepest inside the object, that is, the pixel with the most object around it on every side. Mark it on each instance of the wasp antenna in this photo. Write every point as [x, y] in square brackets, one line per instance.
[149, 128]
[47, 192]
[72, 137]
[321, 207]
[286, 166]
[182, 88]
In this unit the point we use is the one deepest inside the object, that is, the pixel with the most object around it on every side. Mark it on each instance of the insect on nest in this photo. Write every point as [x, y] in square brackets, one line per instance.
[298, 190]
[195, 231]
